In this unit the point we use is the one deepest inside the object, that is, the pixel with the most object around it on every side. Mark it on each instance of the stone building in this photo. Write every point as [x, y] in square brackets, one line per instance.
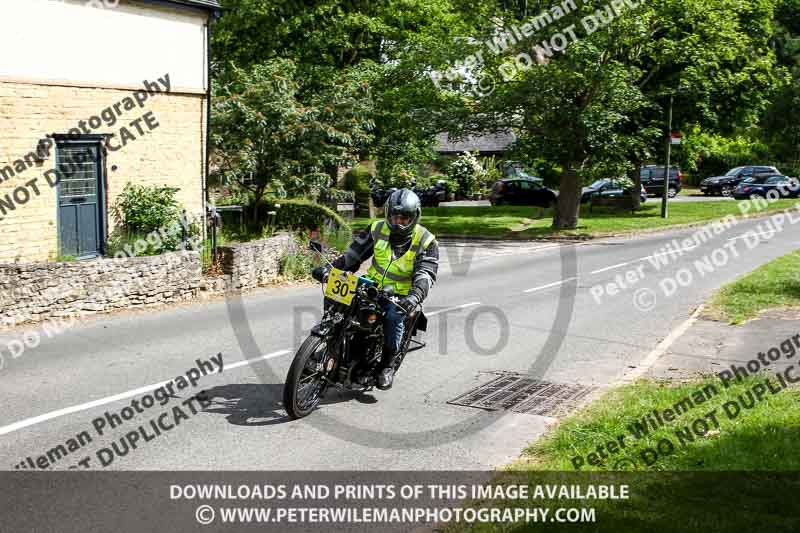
[95, 94]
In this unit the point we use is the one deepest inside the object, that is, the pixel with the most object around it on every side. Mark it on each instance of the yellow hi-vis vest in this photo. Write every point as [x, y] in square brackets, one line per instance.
[398, 272]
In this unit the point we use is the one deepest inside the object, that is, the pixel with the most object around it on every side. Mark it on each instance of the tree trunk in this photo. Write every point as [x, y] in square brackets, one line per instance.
[333, 173]
[636, 194]
[257, 201]
[568, 205]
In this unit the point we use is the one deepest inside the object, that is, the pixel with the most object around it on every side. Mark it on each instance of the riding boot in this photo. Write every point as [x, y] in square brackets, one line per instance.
[386, 369]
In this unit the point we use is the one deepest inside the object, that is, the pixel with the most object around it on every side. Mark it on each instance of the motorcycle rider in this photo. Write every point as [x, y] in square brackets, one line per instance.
[405, 256]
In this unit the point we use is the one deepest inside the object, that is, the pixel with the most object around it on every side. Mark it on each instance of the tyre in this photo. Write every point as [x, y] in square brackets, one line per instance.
[672, 193]
[305, 382]
[727, 191]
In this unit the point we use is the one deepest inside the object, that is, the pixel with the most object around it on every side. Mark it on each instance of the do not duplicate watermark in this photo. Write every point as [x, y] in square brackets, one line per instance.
[106, 118]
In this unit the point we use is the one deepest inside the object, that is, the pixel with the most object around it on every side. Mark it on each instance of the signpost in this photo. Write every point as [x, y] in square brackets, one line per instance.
[664, 211]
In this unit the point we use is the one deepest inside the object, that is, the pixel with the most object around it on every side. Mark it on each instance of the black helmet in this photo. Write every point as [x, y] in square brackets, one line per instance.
[403, 202]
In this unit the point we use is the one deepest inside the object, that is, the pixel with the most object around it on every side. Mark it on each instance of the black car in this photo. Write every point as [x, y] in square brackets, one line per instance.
[758, 186]
[653, 180]
[606, 188]
[521, 192]
[725, 185]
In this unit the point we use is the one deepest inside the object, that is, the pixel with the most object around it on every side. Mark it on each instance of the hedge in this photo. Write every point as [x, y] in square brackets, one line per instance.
[357, 179]
[304, 214]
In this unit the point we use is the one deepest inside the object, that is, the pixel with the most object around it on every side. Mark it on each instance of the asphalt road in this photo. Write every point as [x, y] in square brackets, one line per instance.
[554, 323]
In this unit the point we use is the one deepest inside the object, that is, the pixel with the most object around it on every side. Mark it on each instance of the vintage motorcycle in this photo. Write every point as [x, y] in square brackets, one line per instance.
[429, 196]
[345, 348]
[379, 194]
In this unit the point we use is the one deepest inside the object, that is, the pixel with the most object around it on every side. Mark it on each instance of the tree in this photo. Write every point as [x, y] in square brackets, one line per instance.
[779, 126]
[396, 41]
[598, 107]
[265, 139]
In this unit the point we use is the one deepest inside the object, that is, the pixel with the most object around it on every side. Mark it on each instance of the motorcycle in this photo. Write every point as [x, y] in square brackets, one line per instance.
[379, 195]
[429, 196]
[344, 349]
[433, 195]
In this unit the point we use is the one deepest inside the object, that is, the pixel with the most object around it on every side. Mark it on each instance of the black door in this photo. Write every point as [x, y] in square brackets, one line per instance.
[80, 199]
[525, 193]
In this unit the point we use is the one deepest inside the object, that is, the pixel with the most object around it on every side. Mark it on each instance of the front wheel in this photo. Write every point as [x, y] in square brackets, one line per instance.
[305, 382]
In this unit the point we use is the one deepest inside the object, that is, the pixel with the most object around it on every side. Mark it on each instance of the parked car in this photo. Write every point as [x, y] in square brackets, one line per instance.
[521, 192]
[653, 180]
[725, 185]
[758, 186]
[516, 170]
[607, 188]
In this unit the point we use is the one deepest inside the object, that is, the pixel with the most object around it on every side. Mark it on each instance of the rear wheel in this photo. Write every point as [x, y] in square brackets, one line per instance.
[727, 191]
[305, 382]
[672, 193]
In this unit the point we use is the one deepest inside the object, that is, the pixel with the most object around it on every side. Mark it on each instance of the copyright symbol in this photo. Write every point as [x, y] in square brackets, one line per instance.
[644, 300]
[625, 464]
[204, 515]
[485, 86]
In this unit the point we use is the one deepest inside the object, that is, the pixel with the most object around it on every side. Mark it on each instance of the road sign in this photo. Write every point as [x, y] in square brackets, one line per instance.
[675, 138]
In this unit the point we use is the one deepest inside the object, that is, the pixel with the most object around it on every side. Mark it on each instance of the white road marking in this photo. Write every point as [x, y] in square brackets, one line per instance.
[110, 399]
[471, 304]
[615, 266]
[645, 258]
[554, 284]
[743, 235]
[660, 349]
[491, 254]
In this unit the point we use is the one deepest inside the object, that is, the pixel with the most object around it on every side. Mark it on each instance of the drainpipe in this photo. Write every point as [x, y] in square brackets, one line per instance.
[213, 16]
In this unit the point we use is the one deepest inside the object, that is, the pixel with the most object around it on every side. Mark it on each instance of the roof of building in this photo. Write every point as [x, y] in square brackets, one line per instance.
[489, 142]
[212, 5]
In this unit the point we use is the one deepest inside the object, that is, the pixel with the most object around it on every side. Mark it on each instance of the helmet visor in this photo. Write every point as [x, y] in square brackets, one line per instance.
[400, 220]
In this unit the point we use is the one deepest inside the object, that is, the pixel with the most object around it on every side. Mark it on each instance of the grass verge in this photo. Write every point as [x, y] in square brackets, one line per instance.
[520, 222]
[760, 438]
[776, 284]
[723, 479]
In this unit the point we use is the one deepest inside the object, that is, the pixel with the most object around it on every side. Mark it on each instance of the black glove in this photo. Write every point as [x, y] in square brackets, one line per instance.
[320, 273]
[409, 303]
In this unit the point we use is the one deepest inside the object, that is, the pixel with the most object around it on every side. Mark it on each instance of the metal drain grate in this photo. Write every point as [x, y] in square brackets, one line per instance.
[522, 394]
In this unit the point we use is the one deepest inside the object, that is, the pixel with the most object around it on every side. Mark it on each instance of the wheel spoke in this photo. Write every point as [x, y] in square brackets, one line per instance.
[307, 378]
[311, 383]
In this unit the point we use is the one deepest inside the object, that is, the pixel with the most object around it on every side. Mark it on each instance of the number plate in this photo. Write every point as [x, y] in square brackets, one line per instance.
[341, 286]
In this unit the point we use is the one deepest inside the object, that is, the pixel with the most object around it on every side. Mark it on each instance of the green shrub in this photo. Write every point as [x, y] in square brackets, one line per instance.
[357, 179]
[140, 208]
[149, 222]
[334, 196]
[705, 154]
[468, 172]
[235, 196]
[300, 260]
[301, 214]
[789, 169]
[626, 183]
[336, 239]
